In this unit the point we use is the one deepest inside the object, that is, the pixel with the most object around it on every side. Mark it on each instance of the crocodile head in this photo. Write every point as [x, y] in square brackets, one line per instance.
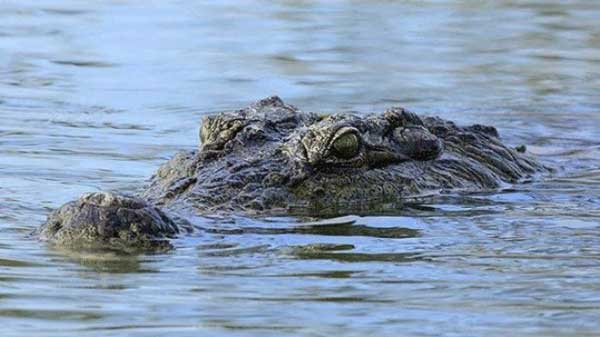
[272, 157]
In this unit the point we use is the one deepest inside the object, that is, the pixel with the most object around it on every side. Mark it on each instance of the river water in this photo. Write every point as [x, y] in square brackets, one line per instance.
[95, 95]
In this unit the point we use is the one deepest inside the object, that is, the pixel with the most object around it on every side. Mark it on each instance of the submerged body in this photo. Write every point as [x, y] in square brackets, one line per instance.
[273, 158]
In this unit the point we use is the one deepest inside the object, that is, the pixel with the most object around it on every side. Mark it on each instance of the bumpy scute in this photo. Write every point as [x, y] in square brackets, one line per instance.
[273, 158]
[107, 220]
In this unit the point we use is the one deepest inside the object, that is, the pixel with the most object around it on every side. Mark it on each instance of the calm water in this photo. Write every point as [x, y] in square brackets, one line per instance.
[95, 95]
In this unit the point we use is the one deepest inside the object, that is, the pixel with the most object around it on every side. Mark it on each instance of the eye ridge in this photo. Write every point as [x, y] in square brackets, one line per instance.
[346, 146]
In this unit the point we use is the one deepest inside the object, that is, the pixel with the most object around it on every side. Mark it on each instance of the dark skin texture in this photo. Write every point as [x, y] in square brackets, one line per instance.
[271, 158]
[109, 220]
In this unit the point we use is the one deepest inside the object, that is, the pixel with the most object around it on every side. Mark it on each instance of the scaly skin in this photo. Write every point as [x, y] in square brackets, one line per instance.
[273, 158]
[109, 220]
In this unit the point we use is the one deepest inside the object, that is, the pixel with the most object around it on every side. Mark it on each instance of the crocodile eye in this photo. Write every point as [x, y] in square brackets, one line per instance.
[346, 146]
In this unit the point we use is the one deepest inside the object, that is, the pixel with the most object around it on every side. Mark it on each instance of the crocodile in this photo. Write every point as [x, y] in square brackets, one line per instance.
[271, 158]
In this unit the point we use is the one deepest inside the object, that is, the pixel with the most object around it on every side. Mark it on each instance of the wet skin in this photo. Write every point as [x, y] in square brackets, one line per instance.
[272, 158]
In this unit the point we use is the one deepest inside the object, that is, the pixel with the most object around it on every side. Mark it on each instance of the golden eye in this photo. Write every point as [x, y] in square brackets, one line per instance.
[346, 146]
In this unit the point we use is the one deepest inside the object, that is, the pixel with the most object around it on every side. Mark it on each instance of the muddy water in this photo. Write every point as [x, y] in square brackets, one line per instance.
[95, 95]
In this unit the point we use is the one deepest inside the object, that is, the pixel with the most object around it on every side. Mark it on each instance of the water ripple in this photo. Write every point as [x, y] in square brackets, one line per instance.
[95, 95]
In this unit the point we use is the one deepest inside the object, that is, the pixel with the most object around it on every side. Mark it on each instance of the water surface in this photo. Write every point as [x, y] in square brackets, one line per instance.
[95, 95]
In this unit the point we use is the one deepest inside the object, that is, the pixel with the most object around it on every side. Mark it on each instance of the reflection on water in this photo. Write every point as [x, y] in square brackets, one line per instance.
[335, 230]
[104, 261]
[95, 95]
